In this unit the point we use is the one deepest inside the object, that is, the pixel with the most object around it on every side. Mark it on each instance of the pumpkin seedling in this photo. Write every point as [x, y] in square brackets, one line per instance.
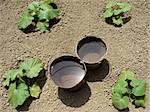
[18, 89]
[38, 14]
[117, 13]
[127, 88]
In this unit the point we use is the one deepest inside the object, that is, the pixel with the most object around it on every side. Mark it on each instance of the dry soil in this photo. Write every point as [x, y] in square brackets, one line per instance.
[128, 47]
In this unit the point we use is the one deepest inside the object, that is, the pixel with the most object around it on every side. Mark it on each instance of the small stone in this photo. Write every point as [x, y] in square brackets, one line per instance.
[7, 104]
[55, 92]
[5, 95]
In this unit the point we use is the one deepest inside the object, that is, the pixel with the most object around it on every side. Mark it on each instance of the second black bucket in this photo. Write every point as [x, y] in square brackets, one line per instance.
[91, 50]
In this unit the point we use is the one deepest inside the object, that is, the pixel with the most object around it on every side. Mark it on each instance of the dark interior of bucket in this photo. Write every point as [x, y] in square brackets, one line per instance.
[66, 58]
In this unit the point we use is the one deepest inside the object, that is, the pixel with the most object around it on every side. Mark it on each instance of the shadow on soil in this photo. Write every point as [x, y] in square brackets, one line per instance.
[40, 80]
[75, 98]
[110, 21]
[99, 73]
[126, 110]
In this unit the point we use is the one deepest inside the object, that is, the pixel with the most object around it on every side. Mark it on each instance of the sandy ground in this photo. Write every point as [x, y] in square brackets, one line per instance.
[129, 47]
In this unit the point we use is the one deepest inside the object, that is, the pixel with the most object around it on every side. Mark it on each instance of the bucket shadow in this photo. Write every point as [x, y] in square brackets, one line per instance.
[76, 98]
[40, 80]
[99, 73]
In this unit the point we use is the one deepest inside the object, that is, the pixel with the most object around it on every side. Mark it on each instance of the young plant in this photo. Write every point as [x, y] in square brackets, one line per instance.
[38, 14]
[127, 88]
[18, 89]
[116, 13]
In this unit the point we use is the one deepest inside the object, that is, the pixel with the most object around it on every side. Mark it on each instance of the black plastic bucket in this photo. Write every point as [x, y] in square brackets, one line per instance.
[68, 72]
[92, 51]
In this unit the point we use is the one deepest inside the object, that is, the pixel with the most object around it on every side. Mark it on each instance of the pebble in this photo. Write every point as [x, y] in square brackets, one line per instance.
[5, 95]
[7, 104]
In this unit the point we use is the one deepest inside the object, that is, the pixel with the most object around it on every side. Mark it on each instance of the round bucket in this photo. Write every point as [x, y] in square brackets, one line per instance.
[91, 50]
[68, 72]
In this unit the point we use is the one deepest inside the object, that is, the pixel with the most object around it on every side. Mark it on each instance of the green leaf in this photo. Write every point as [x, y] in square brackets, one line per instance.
[118, 8]
[42, 26]
[25, 20]
[32, 67]
[9, 76]
[111, 4]
[120, 87]
[35, 91]
[48, 14]
[126, 75]
[54, 13]
[20, 73]
[129, 91]
[34, 8]
[125, 7]
[17, 95]
[118, 21]
[108, 13]
[45, 6]
[135, 83]
[117, 12]
[140, 102]
[120, 102]
[44, 14]
[139, 87]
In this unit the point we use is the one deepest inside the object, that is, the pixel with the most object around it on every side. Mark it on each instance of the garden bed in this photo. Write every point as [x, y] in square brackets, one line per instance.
[128, 47]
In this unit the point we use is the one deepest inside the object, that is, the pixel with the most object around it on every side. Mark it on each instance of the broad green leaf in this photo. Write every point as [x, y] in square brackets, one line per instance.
[32, 67]
[125, 7]
[140, 102]
[117, 12]
[129, 91]
[42, 26]
[126, 75]
[9, 76]
[17, 95]
[34, 8]
[35, 91]
[120, 102]
[111, 4]
[20, 73]
[45, 6]
[25, 20]
[118, 21]
[108, 13]
[139, 87]
[120, 87]
[54, 13]
[48, 14]
[44, 14]
[135, 83]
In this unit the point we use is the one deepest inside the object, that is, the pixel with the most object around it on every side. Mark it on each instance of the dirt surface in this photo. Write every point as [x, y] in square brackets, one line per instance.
[128, 47]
